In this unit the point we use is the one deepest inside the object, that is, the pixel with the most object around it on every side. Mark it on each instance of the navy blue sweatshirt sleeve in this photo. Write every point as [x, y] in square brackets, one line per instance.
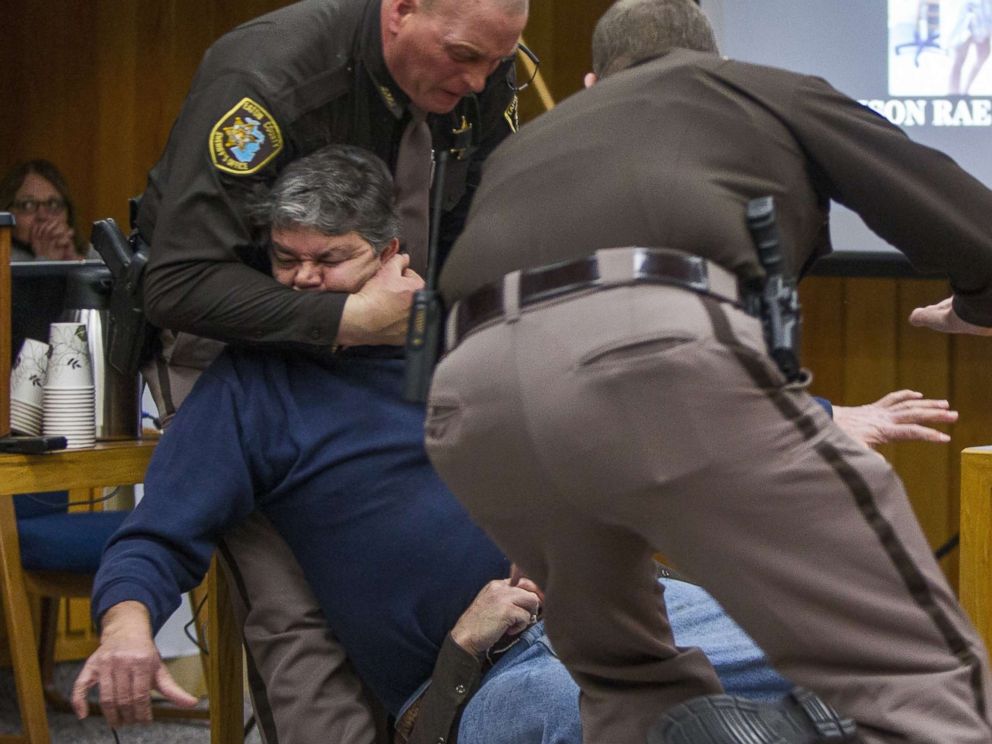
[198, 485]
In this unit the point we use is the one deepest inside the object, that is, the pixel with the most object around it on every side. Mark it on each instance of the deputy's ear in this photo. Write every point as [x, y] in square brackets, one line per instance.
[398, 11]
[390, 250]
[590, 79]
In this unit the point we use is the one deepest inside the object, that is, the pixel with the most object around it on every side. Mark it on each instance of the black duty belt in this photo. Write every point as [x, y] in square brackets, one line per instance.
[606, 268]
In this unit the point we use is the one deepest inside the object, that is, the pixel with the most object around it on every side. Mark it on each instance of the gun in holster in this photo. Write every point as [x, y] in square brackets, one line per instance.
[774, 298]
[423, 337]
[131, 336]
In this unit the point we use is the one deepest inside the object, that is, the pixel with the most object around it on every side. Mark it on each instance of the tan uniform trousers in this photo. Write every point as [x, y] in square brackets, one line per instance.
[302, 686]
[585, 433]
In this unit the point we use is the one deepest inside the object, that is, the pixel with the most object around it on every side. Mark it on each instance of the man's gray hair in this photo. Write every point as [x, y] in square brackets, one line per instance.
[633, 31]
[336, 190]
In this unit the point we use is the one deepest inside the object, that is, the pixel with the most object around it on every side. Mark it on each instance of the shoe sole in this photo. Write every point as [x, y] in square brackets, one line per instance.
[800, 718]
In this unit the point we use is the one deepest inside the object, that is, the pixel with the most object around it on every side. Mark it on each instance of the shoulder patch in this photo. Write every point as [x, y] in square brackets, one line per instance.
[512, 115]
[245, 139]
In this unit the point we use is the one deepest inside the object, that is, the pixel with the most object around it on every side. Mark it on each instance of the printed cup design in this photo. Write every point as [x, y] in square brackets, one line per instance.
[69, 364]
[29, 372]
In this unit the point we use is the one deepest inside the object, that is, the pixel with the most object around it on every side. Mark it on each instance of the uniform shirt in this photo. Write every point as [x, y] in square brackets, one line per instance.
[668, 154]
[331, 453]
[273, 90]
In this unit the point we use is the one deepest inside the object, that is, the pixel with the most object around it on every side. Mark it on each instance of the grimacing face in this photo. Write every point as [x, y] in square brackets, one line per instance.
[441, 54]
[310, 261]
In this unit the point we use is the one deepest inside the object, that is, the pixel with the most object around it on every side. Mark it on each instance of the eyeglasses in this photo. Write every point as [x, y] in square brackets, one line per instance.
[529, 63]
[30, 206]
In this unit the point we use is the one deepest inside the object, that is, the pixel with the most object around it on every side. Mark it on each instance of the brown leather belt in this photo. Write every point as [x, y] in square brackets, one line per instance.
[645, 266]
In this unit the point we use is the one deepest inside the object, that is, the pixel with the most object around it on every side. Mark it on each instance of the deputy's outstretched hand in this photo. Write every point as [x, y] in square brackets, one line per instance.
[127, 667]
[899, 416]
[380, 312]
[941, 317]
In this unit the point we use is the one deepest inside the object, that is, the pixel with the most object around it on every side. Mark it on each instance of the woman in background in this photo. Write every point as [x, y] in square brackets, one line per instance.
[36, 193]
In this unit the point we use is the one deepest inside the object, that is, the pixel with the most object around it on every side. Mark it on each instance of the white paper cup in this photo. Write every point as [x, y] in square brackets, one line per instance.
[27, 376]
[69, 357]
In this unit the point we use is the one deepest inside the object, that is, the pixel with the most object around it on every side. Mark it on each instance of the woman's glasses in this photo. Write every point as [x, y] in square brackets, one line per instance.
[30, 206]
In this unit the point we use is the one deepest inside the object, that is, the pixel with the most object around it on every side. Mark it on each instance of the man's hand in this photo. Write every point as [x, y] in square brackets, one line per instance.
[898, 416]
[941, 317]
[127, 667]
[380, 312]
[52, 240]
[499, 609]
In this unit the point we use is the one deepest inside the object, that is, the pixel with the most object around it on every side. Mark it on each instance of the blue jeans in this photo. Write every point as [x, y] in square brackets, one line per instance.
[529, 698]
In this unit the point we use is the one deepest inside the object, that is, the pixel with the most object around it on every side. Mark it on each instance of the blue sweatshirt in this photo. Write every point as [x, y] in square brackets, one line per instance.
[334, 457]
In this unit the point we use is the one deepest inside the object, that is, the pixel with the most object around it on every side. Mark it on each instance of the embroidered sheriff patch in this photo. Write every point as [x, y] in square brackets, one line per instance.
[245, 139]
[511, 115]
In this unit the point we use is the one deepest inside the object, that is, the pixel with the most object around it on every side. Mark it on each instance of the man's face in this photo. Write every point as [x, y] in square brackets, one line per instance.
[308, 260]
[441, 54]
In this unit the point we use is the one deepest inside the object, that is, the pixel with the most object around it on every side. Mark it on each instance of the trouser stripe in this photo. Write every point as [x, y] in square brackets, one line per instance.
[903, 562]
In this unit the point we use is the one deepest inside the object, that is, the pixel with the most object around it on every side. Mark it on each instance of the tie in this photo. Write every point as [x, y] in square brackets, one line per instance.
[413, 185]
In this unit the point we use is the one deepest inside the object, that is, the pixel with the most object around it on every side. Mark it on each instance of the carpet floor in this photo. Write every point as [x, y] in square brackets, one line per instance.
[65, 729]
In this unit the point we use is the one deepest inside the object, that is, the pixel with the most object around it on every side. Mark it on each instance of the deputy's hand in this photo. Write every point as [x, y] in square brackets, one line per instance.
[51, 240]
[941, 317]
[898, 416]
[380, 312]
[498, 610]
[127, 667]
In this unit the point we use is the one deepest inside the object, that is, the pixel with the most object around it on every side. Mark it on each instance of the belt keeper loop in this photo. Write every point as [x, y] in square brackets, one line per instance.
[511, 297]
[617, 265]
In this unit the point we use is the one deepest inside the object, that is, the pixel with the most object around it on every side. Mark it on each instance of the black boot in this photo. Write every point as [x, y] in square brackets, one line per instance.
[799, 718]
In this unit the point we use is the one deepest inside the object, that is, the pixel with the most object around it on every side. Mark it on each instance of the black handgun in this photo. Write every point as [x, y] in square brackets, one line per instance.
[777, 300]
[130, 334]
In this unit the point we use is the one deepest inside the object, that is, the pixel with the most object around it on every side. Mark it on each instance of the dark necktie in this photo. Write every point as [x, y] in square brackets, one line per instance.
[413, 185]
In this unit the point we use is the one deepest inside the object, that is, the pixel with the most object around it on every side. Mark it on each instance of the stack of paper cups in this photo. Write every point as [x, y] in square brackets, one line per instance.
[68, 402]
[27, 385]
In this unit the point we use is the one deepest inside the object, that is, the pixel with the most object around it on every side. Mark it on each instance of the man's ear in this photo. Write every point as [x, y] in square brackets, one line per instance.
[397, 11]
[590, 79]
[391, 249]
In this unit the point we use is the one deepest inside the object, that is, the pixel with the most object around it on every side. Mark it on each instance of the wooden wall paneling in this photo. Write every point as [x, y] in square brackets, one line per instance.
[12, 83]
[119, 170]
[55, 117]
[824, 311]
[870, 342]
[574, 24]
[561, 34]
[927, 469]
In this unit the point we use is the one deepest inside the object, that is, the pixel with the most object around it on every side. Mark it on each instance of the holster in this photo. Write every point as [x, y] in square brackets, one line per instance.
[132, 338]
